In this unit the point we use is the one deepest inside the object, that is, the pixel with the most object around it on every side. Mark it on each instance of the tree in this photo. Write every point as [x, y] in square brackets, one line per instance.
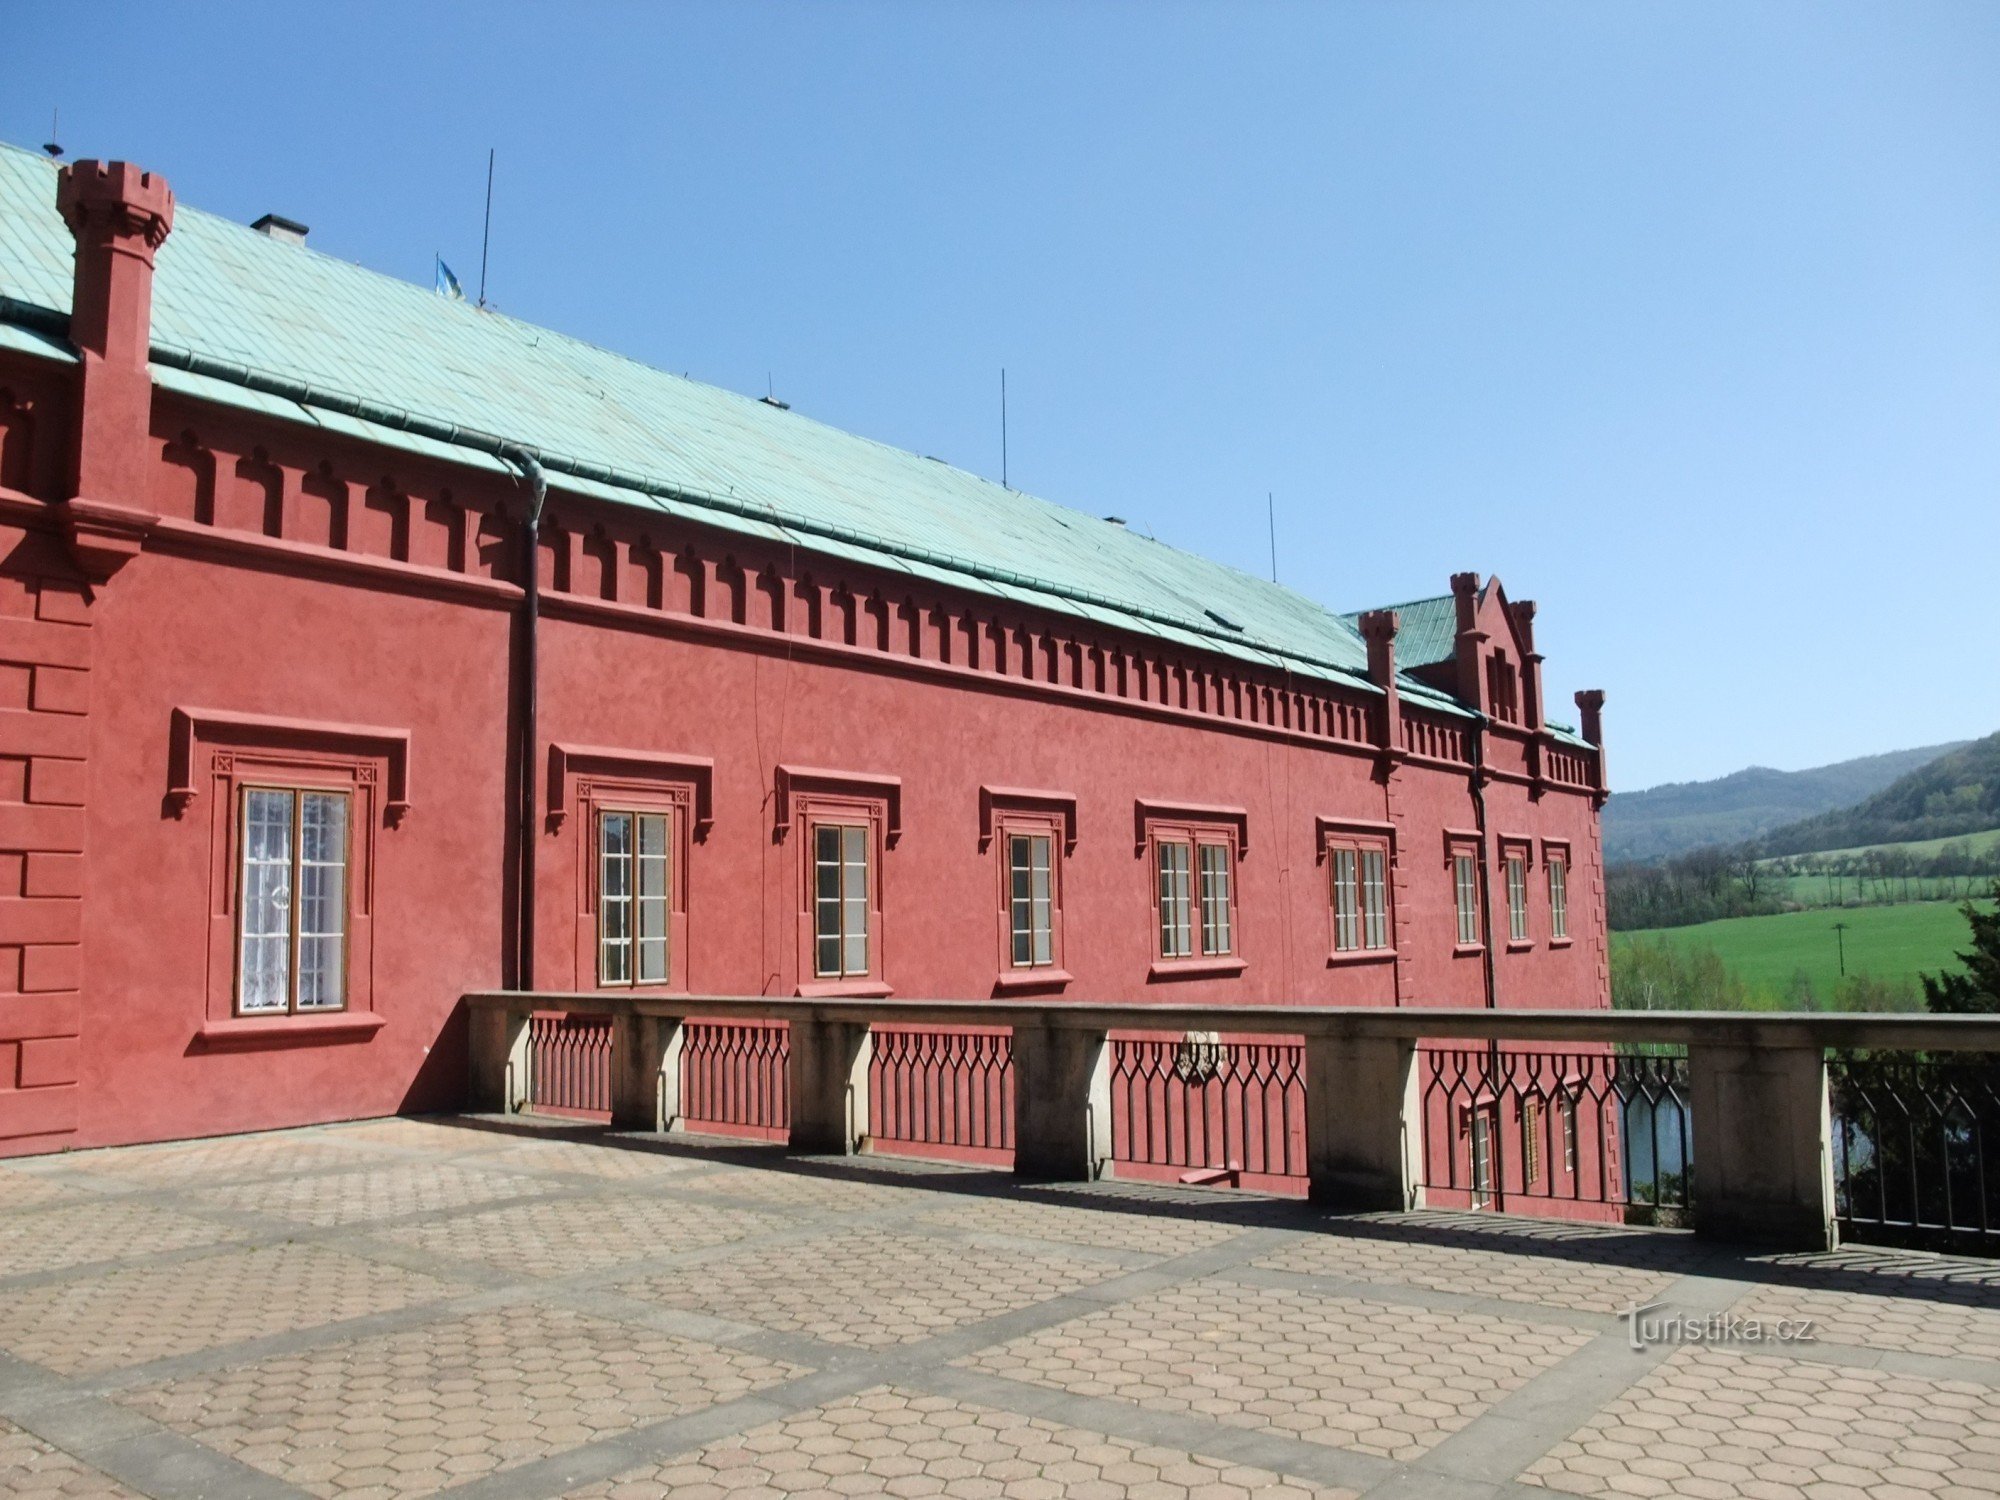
[1977, 990]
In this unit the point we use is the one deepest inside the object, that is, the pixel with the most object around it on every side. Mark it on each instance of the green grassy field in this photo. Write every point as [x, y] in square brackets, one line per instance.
[1976, 843]
[1888, 942]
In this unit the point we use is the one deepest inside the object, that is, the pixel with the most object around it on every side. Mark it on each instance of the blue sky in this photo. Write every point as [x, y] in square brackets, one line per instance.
[1683, 318]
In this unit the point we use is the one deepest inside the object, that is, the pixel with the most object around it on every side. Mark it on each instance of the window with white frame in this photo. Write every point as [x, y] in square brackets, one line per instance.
[293, 892]
[1176, 926]
[1558, 895]
[1465, 896]
[1216, 899]
[1517, 898]
[634, 896]
[1360, 895]
[1031, 900]
[841, 881]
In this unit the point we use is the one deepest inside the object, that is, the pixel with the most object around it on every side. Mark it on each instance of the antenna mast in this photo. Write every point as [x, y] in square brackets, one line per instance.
[486, 235]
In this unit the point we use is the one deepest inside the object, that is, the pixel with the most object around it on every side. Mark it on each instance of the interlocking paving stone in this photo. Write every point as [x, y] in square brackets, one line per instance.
[410, 1412]
[386, 1191]
[867, 1287]
[136, 1314]
[1528, 1275]
[56, 1238]
[197, 1162]
[614, 1162]
[889, 1441]
[1711, 1422]
[1888, 1299]
[1107, 1229]
[1372, 1376]
[19, 1189]
[31, 1467]
[783, 1189]
[563, 1236]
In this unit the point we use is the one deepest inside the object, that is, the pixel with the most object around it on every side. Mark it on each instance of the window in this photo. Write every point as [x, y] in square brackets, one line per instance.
[634, 900]
[1558, 897]
[840, 899]
[1030, 899]
[294, 896]
[1482, 1158]
[1465, 891]
[1569, 1132]
[1531, 1142]
[1360, 896]
[1179, 931]
[1176, 941]
[1517, 898]
[1346, 900]
[1214, 898]
[1193, 852]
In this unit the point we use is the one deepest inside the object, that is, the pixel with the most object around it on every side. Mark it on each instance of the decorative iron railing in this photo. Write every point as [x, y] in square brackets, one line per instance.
[1204, 1110]
[569, 1063]
[942, 1093]
[1567, 1128]
[1916, 1150]
[733, 1078]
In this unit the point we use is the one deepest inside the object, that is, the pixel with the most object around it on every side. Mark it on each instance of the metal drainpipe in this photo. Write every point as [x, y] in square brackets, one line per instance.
[1495, 1154]
[528, 690]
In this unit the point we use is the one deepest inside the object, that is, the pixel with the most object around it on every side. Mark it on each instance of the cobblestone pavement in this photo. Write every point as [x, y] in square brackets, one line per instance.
[525, 1309]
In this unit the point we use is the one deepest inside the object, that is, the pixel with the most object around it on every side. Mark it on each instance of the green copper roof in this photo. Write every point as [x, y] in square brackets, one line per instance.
[245, 319]
[1427, 630]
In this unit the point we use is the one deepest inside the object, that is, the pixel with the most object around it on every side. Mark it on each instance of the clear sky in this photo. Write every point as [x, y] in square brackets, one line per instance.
[1682, 318]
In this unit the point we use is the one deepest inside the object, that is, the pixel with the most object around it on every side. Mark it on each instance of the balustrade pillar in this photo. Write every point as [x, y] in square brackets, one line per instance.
[1363, 1129]
[1062, 1103]
[645, 1071]
[828, 1068]
[1763, 1164]
[499, 1080]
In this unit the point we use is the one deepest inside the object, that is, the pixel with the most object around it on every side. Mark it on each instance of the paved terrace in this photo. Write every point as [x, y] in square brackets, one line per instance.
[512, 1308]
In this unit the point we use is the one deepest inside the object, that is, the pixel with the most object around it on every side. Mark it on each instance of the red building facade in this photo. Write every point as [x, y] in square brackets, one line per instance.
[295, 751]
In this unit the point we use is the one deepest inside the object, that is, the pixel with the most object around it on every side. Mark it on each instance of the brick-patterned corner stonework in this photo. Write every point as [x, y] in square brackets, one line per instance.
[45, 658]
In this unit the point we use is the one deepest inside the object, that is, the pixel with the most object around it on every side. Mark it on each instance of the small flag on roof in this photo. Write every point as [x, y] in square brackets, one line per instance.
[447, 284]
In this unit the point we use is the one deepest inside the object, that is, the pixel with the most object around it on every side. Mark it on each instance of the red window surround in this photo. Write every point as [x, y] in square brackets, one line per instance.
[1004, 814]
[1556, 852]
[807, 798]
[1468, 939]
[214, 755]
[1515, 847]
[1195, 828]
[592, 780]
[1359, 837]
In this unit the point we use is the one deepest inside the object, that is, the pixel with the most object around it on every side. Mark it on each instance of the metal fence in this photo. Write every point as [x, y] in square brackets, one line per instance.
[1200, 1109]
[1914, 1141]
[1594, 1133]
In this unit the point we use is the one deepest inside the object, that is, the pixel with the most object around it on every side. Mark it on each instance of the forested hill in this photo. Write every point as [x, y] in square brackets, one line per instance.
[1669, 820]
[1956, 793]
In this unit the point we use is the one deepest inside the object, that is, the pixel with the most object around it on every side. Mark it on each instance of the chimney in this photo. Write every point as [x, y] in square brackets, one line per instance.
[1523, 616]
[278, 227]
[1378, 629]
[120, 216]
[1590, 704]
[1470, 660]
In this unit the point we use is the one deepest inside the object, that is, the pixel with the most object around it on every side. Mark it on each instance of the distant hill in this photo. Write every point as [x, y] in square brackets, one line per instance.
[1956, 793]
[1669, 820]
